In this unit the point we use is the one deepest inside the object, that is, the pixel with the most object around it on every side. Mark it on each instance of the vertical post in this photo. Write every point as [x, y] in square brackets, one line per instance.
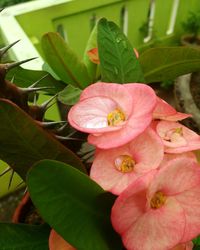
[172, 20]
[151, 16]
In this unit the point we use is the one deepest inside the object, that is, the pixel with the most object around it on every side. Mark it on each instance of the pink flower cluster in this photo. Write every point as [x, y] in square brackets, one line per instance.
[144, 156]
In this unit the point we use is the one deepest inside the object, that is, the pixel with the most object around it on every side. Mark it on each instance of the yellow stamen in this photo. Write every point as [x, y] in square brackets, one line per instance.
[158, 200]
[124, 163]
[115, 117]
[179, 130]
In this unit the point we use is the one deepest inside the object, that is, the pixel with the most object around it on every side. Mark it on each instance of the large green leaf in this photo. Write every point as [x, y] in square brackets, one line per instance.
[161, 64]
[25, 77]
[23, 237]
[63, 61]
[23, 142]
[74, 205]
[117, 58]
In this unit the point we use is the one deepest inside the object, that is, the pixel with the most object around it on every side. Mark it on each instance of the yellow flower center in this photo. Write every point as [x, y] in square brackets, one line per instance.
[124, 163]
[158, 200]
[173, 133]
[115, 117]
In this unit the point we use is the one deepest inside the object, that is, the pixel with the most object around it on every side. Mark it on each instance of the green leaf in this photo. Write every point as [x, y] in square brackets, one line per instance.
[23, 142]
[23, 237]
[24, 78]
[117, 59]
[74, 205]
[64, 62]
[91, 44]
[160, 64]
[70, 95]
[196, 241]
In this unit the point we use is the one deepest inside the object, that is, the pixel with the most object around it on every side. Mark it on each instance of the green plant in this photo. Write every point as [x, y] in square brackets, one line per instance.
[192, 24]
[54, 160]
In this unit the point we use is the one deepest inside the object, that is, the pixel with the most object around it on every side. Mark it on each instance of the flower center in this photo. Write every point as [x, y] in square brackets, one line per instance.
[115, 117]
[174, 134]
[124, 163]
[158, 200]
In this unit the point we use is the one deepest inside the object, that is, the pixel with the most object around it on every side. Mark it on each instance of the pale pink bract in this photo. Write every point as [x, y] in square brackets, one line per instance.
[113, 114]
[177, 138]
[164, 111]
[115, 169]
[162, 214]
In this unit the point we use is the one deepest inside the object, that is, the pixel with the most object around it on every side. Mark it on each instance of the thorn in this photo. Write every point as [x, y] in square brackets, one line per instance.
[9, 66]
[51, 124]
[66, 138]
[5, 49]
[5, 171]
[11, 178]
[46, 105]
[30, 90]
[38, 81]
[62, 128]
[12, 80]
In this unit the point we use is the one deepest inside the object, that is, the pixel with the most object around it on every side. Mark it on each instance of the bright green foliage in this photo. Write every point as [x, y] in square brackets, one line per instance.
[74, 205]
[23, 142]
[64, 62]
[117, 58]
[23, 237]
[70, 95]
[160, 64]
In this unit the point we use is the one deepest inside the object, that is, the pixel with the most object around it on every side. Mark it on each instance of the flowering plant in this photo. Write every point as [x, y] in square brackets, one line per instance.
[133, 183]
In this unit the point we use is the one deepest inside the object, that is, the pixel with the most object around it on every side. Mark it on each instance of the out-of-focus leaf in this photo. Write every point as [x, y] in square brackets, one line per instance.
[23, 142]
[118, 62]
[64, 62]
[160, 64]
[70, 95]
[23, 237]
[74, 205]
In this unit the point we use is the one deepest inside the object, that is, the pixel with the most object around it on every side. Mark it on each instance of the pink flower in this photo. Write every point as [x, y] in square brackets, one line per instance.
[177, 138]
[162, 214]
[115, 169]
[113, 114]
[164, 111]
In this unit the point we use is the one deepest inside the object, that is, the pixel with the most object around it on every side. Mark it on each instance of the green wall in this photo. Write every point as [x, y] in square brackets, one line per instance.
[75, 18]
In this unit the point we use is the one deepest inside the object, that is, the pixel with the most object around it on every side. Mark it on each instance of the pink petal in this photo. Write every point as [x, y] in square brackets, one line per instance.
[144, 98]
[131, 204]
[116, 92]
[177, 176]
[190, 202]
[169, 157]
[157, 229]
[164, 111]
[186, 141]
[90, 115]
[133, 127]
[104, 172]
[148, 151]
